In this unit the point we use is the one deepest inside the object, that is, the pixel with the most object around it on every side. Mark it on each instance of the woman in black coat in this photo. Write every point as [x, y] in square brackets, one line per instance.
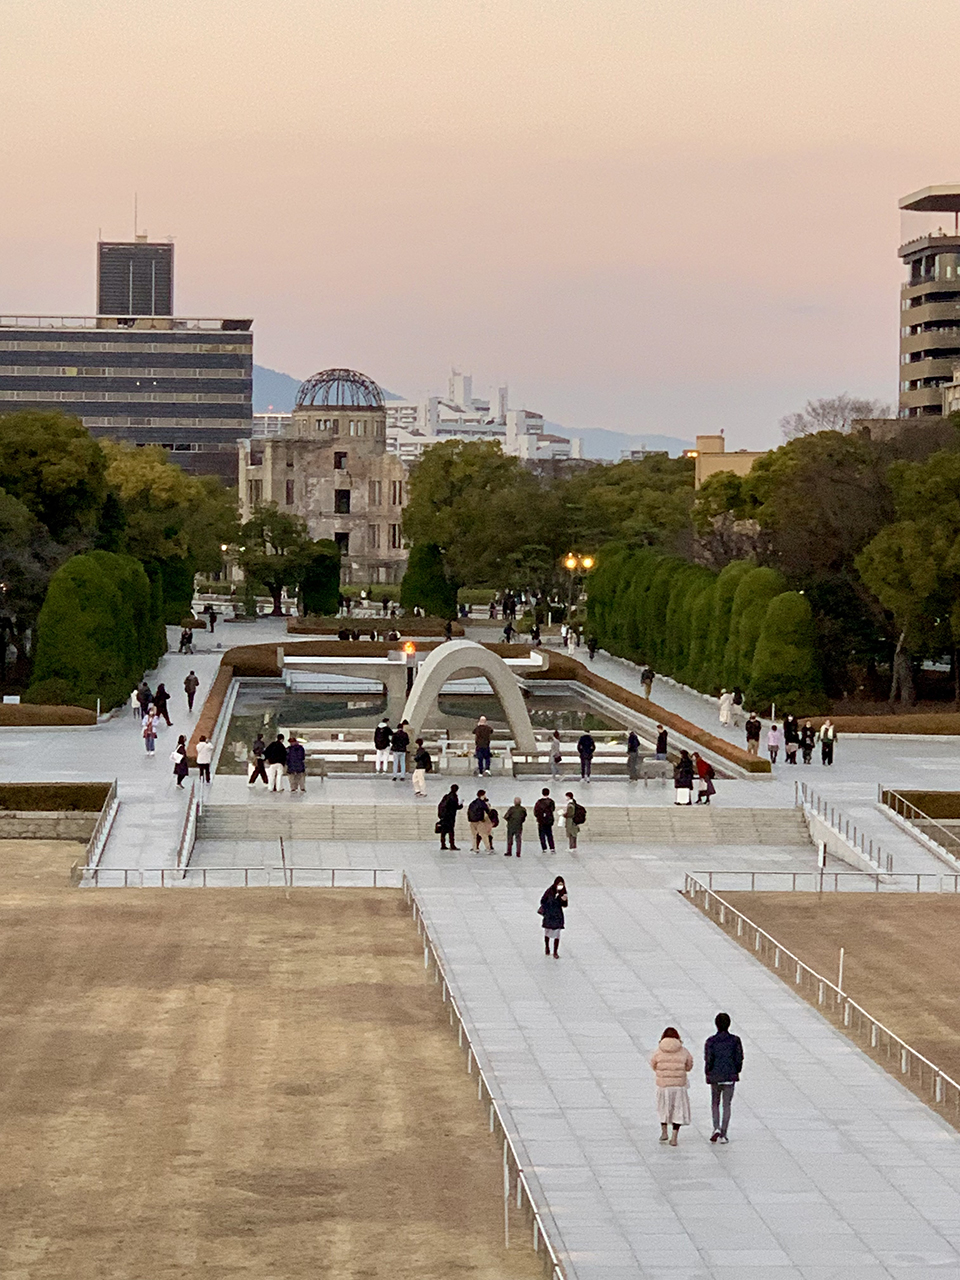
[160, 700]
[683, 779]
[181, 766]
[551, 908]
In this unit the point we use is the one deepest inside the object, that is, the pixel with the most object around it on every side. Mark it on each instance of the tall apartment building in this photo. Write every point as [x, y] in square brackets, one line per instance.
[930, 304]
[328, 463]
[143, 376]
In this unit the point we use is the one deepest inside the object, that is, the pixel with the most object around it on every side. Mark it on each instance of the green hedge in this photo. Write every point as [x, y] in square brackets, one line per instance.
[708, 630]
[53, 797]
[425, 584]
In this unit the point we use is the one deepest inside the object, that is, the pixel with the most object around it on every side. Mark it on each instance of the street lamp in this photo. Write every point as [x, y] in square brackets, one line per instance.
[577, 564]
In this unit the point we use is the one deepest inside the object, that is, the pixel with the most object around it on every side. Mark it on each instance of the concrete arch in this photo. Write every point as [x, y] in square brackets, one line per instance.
[465, 658]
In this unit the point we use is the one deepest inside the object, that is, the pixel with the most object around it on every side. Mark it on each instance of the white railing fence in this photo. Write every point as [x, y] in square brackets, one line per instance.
[101, 831]
[912, 1069]
[805, 797]
[282, 877]
[829, 881]
[188, 832]
[927, 826]
[516, 1188]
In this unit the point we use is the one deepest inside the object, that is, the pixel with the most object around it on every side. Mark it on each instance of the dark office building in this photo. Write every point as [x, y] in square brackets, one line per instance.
[134, 279]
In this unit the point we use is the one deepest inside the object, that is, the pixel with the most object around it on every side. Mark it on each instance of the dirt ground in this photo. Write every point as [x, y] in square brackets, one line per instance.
[245, 1083]
[901, 956]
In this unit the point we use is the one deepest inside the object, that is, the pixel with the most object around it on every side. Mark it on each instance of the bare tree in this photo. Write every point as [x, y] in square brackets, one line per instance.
[834, 414]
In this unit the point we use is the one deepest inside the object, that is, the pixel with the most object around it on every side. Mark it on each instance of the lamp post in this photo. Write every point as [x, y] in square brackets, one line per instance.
[577, 564]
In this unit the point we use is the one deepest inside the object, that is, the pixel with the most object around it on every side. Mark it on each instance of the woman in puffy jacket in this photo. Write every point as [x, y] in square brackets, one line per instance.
[671, 1061]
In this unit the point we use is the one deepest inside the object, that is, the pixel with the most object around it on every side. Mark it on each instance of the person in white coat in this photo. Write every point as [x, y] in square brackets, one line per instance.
[726, 706]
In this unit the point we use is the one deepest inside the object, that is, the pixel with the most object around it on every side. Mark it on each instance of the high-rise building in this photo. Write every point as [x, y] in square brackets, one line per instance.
[134, 279]
[142, 376]
[930, 303]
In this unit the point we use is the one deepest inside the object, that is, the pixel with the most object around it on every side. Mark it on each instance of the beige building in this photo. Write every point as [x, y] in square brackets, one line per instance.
[329, 464]
[930, 302]
[711, 457]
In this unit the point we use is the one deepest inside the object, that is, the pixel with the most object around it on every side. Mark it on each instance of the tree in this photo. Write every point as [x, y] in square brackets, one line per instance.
[644, 503]
[785, 671]
[426, 585]
[52, 464]
[754, 592]
[28, 558]
[834, 414]
[320, 584]
[276, 549]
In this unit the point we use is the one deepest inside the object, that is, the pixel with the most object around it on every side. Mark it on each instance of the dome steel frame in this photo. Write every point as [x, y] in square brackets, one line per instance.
[340, 389]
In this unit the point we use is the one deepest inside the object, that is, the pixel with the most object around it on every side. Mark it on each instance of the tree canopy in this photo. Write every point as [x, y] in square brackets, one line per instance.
[52, 464]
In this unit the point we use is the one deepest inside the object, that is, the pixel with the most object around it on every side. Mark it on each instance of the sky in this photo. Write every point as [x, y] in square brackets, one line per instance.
[661, 217]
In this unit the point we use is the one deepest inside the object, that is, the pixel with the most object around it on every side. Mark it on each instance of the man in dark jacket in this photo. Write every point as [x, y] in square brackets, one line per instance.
[296, 764]
[381, 744]
[661, 751]
[633, 756]
[482, 736]
[259, 768]
[447, 810]
[515, 817]
[723, 1062]
[276, 758]
[544, 811]
[399, 742]
[190, 686]
[585, 750]
[752, 729]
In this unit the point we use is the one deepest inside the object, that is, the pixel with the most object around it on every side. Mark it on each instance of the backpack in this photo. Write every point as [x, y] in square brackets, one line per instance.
[494, 818]
[579, 814]
[477, 811]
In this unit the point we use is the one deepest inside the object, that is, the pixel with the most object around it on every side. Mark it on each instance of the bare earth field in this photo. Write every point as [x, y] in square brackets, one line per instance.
[242, 1083]
[902, 956]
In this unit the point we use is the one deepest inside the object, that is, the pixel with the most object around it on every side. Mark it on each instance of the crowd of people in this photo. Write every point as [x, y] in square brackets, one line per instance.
[792, 738]
[484, 820]
[151, 707]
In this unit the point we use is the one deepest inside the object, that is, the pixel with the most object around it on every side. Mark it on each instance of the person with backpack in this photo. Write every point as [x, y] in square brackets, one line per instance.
[447, 810]
[422, 765]
[551, 909]
[381, 743]
[646, 679]
[480, 817]
[515, 817]
[544, 811]
[586, 748]
[399, 742]
[574, 816]
[706, 774]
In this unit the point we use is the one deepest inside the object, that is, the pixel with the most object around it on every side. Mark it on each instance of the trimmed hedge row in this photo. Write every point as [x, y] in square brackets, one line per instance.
[26, 715]
[740, 627]
[53, 797]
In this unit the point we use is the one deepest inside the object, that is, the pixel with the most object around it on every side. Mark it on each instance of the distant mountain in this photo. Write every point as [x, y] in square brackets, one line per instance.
[608, 445]
[277, 392]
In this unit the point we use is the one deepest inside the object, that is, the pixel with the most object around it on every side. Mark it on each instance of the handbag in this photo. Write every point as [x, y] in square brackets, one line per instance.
[438, 828]
[174, 757]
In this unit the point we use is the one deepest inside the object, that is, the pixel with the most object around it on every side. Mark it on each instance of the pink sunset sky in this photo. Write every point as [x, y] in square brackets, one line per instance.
[649, 216]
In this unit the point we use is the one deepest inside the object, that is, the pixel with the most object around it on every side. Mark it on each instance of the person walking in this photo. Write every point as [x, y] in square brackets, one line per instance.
[646, 679]
[706, 774]
[556, 754]
[544, 811]
[479, 816]
[726, 706]
[827, 738]
[752, 730]
[683, 779]
[160, 700]
[447, 811]
[593, 644]
[145, 697]
[791, 738]
[551, 909]
[190, 686]
[297, 765]
[660, 753]
[586, 748]
[514, 817]
[508, 632]
[482, 735]
[181, 766]
[774, 742]
[574, 816]
[808, 740]
[399, 743]
[149, 731]
[723, 1062]
[276, 758]
[633, 756]
[135, 704]
[381, 744]
[204, 757]
[211, 613]
[259, 769]
[535, 635]
[422, 765]
[671, 1061]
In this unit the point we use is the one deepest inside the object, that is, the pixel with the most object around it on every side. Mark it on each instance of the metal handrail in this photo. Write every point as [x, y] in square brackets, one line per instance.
[241, 877]
[484, 1092]
[817, 881]
[948, 838]
[916, 1071]
[188, 832]
[101, 830]
[805, 797]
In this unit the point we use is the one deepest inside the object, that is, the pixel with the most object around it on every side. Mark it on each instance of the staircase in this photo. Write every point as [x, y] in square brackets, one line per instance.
[393, 822]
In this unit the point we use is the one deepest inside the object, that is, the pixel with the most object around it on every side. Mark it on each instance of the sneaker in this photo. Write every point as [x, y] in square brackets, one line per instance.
[723, 1138]
[715, 1136]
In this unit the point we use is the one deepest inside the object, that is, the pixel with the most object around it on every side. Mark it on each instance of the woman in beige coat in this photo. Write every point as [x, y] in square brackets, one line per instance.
[671, 1061]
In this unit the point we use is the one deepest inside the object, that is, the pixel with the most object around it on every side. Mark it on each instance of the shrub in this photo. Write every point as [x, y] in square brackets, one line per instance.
[425, 584]
[27, 715]
[480, 596]
[785, 670]
[320, 585]
[176, 576]
[729, 579]
[53, 797]
[700, 669]
[754, 592]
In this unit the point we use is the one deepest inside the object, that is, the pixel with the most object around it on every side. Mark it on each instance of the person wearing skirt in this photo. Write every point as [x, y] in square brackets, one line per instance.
[671, 1061]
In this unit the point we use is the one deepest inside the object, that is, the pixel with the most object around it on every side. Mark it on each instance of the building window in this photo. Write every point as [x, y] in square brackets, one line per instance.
[256, 458]
[373, 537]
[375, 495]
[335, 429]
[341, 501]
[396, 537]
[343, 542]
[290, 488]
[254, 492]
[396, 493]
[339, 462]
